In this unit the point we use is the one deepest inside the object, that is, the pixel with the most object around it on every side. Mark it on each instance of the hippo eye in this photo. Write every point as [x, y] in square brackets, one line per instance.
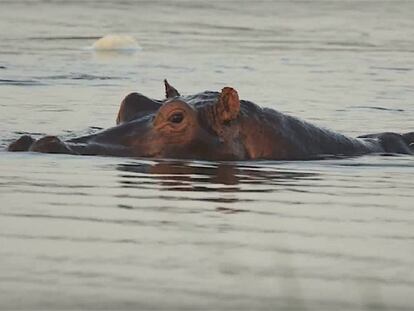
[176, 117]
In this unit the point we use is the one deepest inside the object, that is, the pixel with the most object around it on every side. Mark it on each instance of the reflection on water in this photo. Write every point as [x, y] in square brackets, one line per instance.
[204, 177]
[215, 178]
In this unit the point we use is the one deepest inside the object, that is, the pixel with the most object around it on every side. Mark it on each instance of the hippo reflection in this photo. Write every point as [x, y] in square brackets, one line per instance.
[214, 126]
[222, 177]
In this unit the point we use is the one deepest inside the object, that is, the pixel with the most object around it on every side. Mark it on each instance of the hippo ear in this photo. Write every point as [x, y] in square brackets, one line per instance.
[170, 91]
[228, 105]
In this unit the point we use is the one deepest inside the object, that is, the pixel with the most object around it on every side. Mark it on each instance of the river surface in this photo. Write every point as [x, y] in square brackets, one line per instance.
[119, 233]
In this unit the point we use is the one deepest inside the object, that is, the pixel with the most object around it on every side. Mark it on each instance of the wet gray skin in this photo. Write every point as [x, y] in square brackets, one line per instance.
[214, 126]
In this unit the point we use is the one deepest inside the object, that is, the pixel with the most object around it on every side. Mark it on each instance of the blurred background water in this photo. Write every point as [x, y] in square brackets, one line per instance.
[119, 233]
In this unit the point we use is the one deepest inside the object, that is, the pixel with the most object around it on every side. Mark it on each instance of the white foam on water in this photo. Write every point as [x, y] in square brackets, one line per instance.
[116, 42]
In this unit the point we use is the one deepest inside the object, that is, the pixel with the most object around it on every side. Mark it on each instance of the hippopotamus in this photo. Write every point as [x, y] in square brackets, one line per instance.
[215, 126]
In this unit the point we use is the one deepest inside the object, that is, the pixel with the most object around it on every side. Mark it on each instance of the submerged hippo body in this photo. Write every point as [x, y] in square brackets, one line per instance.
[214, 126]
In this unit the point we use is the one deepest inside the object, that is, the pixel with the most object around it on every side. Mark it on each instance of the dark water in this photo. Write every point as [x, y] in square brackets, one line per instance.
[118, 233]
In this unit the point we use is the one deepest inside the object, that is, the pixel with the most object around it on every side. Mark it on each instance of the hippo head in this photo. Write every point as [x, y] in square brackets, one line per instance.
[201, 126]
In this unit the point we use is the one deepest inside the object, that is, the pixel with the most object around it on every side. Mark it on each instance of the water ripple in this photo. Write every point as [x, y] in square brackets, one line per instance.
[17, 82]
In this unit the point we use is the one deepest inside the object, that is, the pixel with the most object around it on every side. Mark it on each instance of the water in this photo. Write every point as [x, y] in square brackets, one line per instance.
[119, 233]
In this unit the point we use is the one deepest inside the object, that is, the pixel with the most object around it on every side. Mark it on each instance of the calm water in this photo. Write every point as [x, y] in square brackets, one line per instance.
[119, 233]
